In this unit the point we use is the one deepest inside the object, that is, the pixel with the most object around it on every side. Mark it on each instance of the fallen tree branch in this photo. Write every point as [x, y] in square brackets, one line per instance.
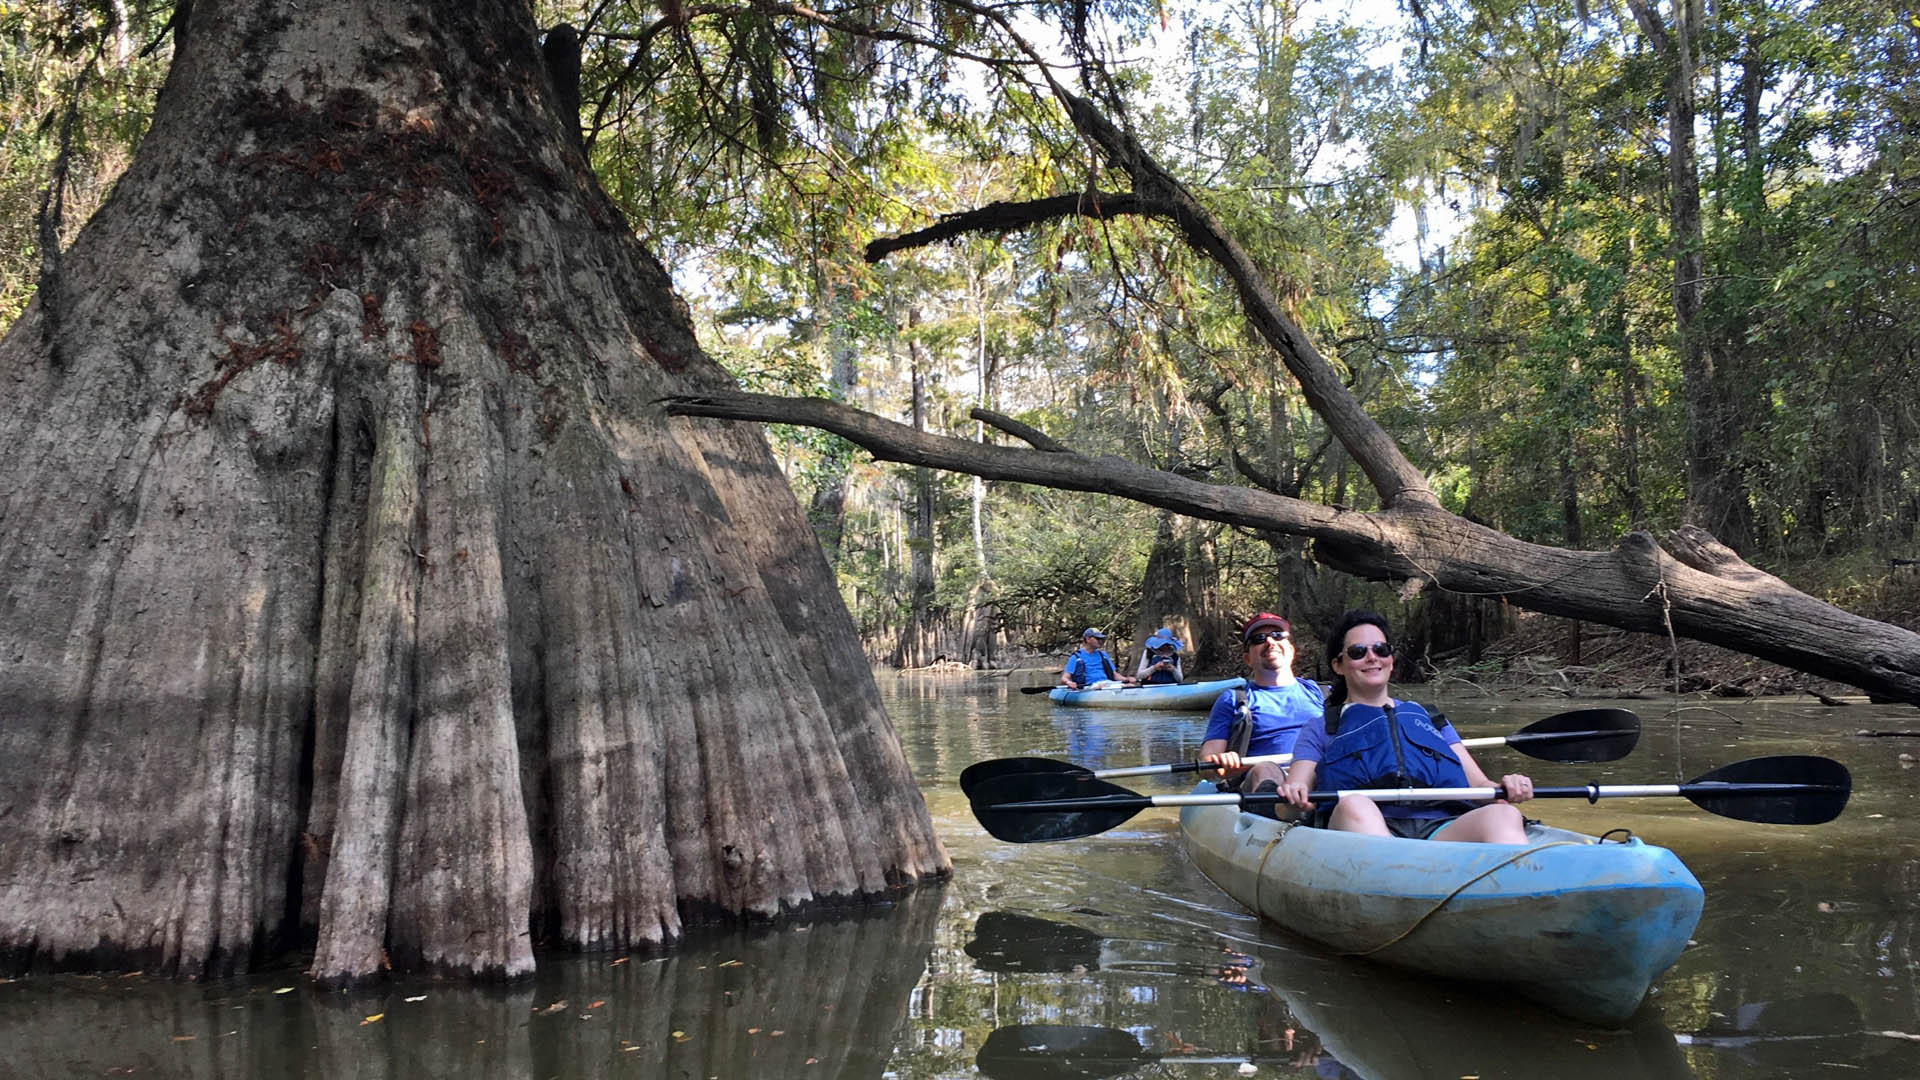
[1636, 586]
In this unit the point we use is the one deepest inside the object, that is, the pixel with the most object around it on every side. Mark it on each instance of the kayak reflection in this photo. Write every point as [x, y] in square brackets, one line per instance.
[1334, 1016]
[1384, 1024]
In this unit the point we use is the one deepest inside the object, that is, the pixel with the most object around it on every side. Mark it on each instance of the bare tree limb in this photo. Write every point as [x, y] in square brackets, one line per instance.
[1026, 433]
[1007, 216]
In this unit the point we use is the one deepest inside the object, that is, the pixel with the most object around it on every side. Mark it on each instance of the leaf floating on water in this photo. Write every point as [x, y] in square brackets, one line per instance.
[558, 1006]
[597, 1004]
[731, 963]
[284, 990]
[185, 1038]
[753, 1031]
[813, 1061]
[618, 961]
[1247, 1068]
[374, 1019]
[418, 997]
[775, 1034]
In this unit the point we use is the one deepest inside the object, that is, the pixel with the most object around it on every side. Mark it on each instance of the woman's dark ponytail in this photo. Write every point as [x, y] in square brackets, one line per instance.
[1336, 697]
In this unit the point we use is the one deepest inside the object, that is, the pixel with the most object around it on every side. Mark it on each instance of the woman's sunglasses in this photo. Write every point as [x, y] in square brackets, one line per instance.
[1380, 648]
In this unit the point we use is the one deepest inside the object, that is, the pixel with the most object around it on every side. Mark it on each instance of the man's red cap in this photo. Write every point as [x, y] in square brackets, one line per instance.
[1260, 624]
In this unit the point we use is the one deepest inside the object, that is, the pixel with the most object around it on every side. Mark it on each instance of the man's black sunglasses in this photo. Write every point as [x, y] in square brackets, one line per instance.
[1270, 635]
[1380, 648]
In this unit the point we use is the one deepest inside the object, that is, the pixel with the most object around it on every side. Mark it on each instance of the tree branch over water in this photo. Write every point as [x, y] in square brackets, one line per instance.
[1695, 585]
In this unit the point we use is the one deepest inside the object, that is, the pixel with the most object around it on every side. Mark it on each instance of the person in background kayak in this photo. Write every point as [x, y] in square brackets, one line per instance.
[1366, 739]
[1091, 663]
[1277, 707]
[1160, 659]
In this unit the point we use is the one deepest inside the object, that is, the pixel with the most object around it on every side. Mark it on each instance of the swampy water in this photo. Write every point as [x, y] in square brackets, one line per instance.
[1112, 956]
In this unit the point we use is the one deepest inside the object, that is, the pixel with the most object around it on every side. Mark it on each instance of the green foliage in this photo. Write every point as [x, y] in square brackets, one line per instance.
[56, 59]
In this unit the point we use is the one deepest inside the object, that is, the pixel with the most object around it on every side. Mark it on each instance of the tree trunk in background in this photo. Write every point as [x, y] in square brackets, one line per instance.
[1621, 325]
[1570, 494]
[915, 648]
[1717, 499]
[1166, 594]
[354, 583]
[827, 511]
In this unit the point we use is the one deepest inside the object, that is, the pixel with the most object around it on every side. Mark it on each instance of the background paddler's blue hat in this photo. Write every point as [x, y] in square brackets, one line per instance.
[1164, 636]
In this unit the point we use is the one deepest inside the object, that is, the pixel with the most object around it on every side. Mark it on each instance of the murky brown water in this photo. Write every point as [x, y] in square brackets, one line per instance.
[1111, 956]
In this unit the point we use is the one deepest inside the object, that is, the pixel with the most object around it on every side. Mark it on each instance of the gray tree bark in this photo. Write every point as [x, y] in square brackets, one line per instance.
[354, 584]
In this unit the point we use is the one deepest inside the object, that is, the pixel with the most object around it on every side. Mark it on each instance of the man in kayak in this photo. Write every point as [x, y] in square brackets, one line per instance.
[1091, 663]
[1160, 659]
[1366, 739]
[1265, 717]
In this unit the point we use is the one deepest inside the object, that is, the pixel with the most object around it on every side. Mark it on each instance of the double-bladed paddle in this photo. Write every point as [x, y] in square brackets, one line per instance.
[1579, 736]
[1025, 808]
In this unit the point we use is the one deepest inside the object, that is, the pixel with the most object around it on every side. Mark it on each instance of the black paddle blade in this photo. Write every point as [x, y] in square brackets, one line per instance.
[1059, 1052]
[980, 772]
[1788, 789]
[1008, 941]
[1038, 689]
[1583, 735]
[1038, 824]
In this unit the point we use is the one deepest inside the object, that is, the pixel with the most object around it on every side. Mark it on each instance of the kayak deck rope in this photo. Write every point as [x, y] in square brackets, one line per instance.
[1463, 886]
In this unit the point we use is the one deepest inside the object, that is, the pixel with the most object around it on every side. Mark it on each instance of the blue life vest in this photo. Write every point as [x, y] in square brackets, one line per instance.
[1399, 746]
[1077, 667]
[1167, 676]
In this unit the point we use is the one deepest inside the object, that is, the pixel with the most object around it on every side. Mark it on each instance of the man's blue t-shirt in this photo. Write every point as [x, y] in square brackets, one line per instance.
[1280, 713]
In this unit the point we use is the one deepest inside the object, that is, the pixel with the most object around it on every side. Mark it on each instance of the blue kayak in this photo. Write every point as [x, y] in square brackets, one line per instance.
[1581, 926]
[1168, 697]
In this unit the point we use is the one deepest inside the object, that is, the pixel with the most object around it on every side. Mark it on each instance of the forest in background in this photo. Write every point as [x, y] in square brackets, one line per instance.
[1474, 209]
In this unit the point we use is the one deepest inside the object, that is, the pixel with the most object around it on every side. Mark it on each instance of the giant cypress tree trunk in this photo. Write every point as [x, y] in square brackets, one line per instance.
[352, 581]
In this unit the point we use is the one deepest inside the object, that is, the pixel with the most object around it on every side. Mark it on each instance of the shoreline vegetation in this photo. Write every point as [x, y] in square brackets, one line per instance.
[1547, 656]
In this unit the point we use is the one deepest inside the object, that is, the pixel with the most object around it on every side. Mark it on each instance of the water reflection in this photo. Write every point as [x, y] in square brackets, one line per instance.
[827, 1000]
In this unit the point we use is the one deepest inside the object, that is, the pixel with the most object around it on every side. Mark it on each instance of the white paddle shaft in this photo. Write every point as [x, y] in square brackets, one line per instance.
[1277, 759]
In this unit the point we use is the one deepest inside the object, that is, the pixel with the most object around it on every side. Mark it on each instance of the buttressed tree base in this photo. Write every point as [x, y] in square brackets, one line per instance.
[353, 583]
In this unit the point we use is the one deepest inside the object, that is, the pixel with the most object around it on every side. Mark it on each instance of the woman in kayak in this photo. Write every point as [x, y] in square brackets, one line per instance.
[1369, 740]
[1160, 659]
